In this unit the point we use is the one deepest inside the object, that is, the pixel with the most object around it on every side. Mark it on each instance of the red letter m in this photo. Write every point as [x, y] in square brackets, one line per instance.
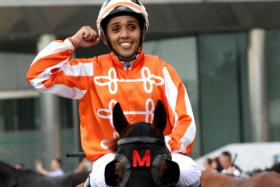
[140, 162]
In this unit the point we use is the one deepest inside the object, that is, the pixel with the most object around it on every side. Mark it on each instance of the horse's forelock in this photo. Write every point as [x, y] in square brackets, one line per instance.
[111, 143]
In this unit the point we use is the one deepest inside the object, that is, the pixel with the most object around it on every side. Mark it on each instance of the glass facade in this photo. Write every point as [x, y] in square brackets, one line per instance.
[223, 92]
[20, 131]
[18, 114]
[24, 114]
[273, 78]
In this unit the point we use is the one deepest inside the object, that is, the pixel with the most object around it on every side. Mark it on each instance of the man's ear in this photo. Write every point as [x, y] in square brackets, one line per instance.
[119, 120]
[159, 121]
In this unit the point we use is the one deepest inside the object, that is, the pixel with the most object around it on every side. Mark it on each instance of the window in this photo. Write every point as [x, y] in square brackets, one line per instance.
[18, 114]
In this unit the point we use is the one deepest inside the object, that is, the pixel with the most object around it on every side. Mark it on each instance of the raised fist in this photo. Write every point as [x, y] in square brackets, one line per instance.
[85, 37]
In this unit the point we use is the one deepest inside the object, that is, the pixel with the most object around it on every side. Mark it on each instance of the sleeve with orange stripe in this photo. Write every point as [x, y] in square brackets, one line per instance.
[180, 113]
[53, 71]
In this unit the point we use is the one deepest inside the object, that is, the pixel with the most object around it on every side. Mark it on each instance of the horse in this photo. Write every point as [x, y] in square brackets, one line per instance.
[12, 177]
[262, 179]
[141, 155]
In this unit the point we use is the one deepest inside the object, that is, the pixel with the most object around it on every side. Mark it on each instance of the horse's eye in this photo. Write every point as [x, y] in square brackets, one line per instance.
[119, 172]
[161, 169]
[114, 173]
[168, 172]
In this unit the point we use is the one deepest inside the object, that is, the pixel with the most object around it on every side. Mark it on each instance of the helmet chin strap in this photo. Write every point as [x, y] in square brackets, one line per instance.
[128, 59]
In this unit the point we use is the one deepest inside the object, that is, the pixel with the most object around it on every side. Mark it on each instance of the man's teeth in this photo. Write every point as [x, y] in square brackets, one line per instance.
[126, 44]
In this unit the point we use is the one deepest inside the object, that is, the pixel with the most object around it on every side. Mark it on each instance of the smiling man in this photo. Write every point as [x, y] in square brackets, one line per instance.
[123, 33]
[127, 75]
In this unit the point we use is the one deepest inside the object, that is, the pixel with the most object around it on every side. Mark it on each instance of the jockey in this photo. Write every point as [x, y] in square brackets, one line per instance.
[126, 75]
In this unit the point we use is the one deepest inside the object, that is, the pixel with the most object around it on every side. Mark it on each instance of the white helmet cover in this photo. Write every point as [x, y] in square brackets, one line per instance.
[109, 6]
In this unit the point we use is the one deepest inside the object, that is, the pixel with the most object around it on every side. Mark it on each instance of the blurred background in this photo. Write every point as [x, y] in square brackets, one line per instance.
[226, 52]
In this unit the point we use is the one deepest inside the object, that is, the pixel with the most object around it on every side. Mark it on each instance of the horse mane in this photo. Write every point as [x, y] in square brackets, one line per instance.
[112, 142]
[74, 179]
[275, 167]
[2, 163]
[9, 168]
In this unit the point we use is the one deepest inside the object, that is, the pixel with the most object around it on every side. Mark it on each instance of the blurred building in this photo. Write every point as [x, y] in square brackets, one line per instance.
[221, 48]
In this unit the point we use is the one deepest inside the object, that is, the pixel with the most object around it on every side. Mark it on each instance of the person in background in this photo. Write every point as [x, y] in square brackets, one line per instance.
[216, 165]
[212, 164]
[229, 168]
[55, 165]
[207, 164]
[20, 166]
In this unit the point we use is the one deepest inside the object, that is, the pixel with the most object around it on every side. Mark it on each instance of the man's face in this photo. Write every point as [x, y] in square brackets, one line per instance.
[124, 34]
[225, 161]
[54, 165]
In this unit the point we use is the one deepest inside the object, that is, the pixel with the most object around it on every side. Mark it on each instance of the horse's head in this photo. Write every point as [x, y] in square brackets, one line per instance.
[8, 175]
[12, 177]
[142, 158]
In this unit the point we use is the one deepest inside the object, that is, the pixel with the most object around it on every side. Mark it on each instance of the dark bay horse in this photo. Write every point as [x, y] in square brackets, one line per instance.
[262, 179]
[11, 177]
[142, 158]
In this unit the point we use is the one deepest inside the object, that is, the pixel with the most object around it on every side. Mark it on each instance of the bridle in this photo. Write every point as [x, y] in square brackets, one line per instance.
[142, 157]
[148, 142]
[141, 140]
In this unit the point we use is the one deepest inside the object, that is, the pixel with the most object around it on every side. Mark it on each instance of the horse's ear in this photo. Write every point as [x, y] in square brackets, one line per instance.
[8, 175]
[119, 120]
[159, 121]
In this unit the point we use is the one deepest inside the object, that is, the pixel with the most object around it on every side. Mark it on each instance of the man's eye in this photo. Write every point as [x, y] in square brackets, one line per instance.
[131, 27]
[115, 29]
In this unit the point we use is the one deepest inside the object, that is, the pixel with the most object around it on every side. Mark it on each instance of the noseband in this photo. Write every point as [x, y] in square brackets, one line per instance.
[141, 140]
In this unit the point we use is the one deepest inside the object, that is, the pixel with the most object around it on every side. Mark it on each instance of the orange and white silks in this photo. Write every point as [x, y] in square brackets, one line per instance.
[101, 81]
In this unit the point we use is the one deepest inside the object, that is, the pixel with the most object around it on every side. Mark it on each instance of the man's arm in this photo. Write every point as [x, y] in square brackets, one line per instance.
[39, 168]
[180, 113]
[54, 71]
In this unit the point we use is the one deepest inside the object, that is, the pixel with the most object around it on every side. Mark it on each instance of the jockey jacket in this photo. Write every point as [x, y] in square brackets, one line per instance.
[102, 81]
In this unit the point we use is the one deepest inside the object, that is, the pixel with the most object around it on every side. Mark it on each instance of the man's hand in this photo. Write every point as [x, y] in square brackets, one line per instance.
[39, 168]
[85, 37]
[38, 165]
